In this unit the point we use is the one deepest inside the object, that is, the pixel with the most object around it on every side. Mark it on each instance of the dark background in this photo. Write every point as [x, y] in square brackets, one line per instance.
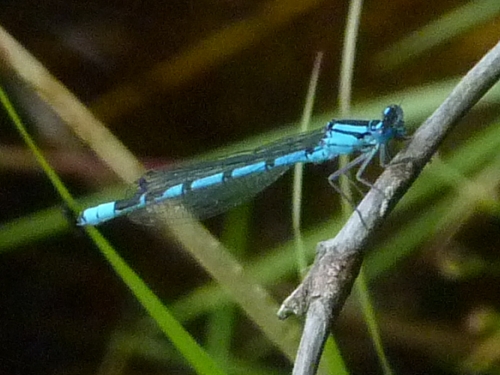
[63, 310]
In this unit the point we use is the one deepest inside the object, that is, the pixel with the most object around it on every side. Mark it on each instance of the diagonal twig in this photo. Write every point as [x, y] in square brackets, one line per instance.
[324, 290]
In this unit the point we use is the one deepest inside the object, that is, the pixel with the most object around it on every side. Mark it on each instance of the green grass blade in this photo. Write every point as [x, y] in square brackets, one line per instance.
[187, 346]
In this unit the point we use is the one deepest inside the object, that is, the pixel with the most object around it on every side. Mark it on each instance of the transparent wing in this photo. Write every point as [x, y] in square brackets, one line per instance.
[156, 181]
[210, 201]
[215, 199]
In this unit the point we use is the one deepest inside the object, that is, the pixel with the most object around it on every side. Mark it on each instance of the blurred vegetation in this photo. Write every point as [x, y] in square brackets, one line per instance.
[179, 80]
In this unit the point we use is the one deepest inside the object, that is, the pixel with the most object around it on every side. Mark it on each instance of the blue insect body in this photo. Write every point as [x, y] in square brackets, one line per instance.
[209, 188]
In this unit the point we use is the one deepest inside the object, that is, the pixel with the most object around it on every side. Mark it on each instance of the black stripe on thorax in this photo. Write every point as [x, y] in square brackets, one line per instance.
[353, 134]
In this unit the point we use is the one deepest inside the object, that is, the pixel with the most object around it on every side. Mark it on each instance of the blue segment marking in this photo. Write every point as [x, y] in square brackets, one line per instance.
[209, 188]
[173, 191]
[207, 181]
[248, 169]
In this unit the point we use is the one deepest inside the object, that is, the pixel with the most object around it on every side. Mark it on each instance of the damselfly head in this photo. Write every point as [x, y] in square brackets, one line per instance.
[393, 121]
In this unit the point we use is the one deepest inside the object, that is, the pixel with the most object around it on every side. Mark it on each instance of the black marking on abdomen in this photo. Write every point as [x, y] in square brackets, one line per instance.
[227, 175]
[269, 164]
[186, 187]
[122, 204]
